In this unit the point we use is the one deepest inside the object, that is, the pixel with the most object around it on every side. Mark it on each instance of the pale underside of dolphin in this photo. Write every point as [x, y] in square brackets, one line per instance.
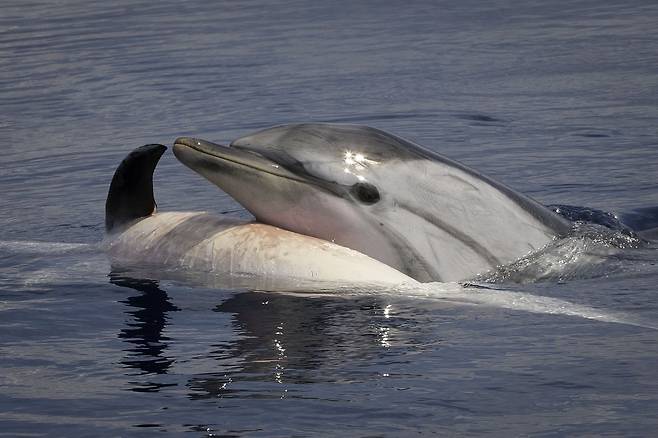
[421, 213]
[203, 242]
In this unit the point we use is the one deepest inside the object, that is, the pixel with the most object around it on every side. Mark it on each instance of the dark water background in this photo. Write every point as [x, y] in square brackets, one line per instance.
[556, 99]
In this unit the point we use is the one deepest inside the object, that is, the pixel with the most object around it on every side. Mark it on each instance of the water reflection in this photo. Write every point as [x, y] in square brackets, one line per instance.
[275, 342]
[288, 340]
[149, 311]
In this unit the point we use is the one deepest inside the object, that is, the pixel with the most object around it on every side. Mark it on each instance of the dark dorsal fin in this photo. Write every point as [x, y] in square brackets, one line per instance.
[131, 191]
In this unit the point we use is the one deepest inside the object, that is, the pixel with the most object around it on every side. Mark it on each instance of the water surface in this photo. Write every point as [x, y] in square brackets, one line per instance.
[558, 100]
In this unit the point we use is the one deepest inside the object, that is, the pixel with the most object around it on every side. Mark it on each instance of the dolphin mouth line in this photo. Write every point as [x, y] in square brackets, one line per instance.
[241, 157]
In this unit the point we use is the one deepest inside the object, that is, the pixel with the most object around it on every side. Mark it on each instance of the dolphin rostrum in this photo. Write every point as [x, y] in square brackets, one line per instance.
[419, 212]
[261, 254]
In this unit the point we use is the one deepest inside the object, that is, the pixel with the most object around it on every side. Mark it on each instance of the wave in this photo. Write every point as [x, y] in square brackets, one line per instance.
[485, 295]
[598, 245]
[44, 248]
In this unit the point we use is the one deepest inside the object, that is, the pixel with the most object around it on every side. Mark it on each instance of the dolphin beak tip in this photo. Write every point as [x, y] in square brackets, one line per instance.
[185, 141]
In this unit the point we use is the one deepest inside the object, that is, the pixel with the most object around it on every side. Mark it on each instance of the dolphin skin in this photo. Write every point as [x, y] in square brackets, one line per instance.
[137, 235]
[419, 212]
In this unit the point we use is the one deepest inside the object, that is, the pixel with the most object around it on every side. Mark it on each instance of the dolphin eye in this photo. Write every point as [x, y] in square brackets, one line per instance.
[365, 192]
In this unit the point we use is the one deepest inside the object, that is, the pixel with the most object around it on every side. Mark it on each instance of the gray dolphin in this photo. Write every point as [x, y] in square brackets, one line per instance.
[426, 215]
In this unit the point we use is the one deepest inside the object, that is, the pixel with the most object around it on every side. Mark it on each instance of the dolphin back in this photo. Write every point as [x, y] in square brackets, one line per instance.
[131, 191]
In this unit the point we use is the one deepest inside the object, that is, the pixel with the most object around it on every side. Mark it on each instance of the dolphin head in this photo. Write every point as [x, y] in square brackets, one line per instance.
[360, 187]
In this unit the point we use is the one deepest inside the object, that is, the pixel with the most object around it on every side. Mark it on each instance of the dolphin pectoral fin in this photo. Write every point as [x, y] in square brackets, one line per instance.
[131, 191]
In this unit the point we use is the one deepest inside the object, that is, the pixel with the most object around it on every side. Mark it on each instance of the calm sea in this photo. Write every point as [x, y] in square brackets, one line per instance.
[558, 100]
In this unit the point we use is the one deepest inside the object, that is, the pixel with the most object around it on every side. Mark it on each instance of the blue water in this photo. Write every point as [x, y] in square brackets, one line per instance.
[559, 100]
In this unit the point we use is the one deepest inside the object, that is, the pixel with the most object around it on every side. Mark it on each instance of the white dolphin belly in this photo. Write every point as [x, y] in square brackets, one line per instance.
[203, 242]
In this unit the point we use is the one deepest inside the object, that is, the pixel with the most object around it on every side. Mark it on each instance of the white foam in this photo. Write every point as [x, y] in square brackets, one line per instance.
[37, 247]
[522, 301]
[491, 297]
[38, 265]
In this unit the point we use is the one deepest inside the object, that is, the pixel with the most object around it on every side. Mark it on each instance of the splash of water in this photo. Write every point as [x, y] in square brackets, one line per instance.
[590, 250]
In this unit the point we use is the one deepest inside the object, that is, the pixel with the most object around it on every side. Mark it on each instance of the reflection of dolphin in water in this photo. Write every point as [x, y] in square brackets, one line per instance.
[291, 339]
[204, 242]
[149, 309]
[419, 212]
